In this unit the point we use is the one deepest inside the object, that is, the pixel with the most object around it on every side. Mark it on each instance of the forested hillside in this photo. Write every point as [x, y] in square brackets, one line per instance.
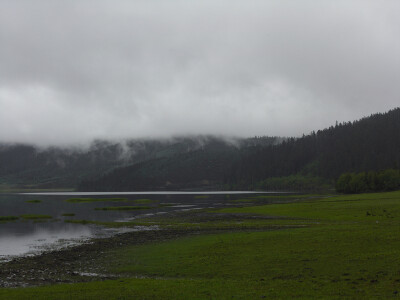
[203, 168]
[206, 167]
[206, 162]
[27, 166]
[369, 144]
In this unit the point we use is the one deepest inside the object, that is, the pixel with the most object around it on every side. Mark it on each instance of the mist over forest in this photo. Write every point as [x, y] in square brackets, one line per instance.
[313, 161]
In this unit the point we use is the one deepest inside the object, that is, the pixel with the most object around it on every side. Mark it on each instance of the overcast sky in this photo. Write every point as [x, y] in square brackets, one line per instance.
[72, 71]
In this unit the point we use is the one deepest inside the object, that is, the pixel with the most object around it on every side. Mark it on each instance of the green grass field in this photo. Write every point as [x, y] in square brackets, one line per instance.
[35, 217]
[348, 247]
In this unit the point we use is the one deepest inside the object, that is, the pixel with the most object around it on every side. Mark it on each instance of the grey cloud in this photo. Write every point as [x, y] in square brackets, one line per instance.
[72, 71]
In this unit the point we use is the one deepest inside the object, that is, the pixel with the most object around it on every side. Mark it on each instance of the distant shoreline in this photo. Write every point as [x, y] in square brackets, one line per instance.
[153, 193]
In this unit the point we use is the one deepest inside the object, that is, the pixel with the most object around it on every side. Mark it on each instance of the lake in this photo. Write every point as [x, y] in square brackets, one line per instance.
[27, 236]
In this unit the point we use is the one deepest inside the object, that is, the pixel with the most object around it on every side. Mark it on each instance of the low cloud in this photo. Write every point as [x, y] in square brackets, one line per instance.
[73, 71]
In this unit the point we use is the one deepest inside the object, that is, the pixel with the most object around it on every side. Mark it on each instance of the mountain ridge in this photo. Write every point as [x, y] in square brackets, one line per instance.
[28, 166]
[369, 144]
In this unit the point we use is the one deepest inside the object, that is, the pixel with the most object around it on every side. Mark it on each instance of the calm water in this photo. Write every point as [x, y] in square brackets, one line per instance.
[24, 237]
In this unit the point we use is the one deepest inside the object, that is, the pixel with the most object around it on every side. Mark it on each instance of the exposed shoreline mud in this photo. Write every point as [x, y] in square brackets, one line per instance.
[85, 262]
[80, 263]
[77, 263]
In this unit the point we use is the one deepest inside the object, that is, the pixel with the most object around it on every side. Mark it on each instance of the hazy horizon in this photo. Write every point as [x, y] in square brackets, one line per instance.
[75, 71]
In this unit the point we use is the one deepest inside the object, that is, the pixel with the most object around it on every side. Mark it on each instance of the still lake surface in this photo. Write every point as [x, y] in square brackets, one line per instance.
[30, 237]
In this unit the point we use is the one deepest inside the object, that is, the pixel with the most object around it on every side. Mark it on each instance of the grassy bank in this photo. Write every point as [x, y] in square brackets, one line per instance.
[342, 247]
[8, 218]
[33, 201]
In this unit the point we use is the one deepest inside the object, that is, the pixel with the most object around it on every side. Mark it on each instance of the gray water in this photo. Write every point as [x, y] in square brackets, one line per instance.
[153, 193]
[29, 237]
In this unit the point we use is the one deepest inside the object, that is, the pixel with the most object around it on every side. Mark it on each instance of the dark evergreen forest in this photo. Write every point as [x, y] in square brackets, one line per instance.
[27, 166]
[312, 161]
[369, 144]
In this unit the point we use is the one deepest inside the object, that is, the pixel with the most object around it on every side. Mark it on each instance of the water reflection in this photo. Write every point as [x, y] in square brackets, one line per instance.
[27, 236]
[33, 238]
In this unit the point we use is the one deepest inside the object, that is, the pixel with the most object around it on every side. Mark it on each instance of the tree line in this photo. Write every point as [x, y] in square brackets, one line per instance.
[371, 143]
[372, 181]
[305, 163]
